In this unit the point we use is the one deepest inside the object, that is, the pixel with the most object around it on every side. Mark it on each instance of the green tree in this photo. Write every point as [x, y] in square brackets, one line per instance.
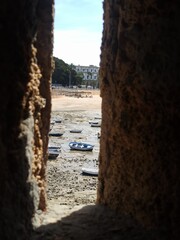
[65, 74]
[60, 74]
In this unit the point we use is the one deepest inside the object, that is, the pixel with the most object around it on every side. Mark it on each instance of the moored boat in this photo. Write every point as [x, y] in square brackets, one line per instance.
[90, 171]
[55, 134]
[95, 124]
[75, 131]
[81, 146]
[53, 152]
[58, 120]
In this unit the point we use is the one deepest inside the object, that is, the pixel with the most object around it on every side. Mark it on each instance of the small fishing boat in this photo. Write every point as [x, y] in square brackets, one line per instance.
[95, 124]
[90, 171]
[81, 146]
[58, 120]
[53, 152]
[75, 131]
[55, 134]
[54, 148]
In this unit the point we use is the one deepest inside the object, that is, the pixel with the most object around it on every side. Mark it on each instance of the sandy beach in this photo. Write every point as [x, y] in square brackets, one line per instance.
[63, 103]
[67, 188]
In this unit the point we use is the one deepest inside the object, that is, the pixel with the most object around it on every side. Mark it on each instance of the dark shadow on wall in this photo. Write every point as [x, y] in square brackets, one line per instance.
[21, 114]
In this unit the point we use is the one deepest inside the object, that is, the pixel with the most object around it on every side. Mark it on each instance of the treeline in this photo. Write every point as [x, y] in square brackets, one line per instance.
[65, 74]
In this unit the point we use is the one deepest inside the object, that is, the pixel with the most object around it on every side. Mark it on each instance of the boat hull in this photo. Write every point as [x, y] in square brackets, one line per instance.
[80, 146]
[90, 171]
[55, 134]
[75, 131]
[53, 152]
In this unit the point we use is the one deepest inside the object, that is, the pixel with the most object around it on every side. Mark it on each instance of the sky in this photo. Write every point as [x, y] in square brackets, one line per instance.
[78, 31]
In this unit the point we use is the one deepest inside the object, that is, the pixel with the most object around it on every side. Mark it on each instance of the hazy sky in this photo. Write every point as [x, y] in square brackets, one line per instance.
[78, 31]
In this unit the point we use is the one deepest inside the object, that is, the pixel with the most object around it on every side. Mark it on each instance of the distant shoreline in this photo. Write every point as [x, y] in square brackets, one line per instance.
[62, 91]
[60, 102]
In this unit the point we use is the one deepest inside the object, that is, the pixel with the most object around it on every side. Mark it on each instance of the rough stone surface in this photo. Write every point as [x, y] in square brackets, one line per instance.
[22, 137]
[139, 151]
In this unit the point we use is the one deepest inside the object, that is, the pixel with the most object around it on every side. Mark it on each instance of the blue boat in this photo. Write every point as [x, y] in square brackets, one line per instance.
[81, 146]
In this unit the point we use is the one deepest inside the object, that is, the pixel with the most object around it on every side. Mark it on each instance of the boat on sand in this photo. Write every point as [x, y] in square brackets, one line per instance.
[90, 171]
[75, 131]
[81, 146]
[53, 152]
[55, 134]
[95, 124]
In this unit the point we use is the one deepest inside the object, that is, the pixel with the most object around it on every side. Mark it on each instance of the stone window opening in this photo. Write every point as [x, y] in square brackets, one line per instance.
[139, 149]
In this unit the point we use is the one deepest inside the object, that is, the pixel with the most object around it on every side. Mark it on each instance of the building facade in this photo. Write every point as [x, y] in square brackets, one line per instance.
[89, 72]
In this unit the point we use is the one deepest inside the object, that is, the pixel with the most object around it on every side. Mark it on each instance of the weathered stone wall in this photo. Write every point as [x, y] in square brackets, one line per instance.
[44, 46]
[139, 152]
[25, 112]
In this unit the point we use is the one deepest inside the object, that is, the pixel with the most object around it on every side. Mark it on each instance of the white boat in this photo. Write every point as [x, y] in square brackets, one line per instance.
[81, 146]
[95, 124]
[90, 171]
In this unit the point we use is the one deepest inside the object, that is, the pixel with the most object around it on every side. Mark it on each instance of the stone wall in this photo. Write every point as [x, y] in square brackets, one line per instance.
[139, 152]
[26, 55]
